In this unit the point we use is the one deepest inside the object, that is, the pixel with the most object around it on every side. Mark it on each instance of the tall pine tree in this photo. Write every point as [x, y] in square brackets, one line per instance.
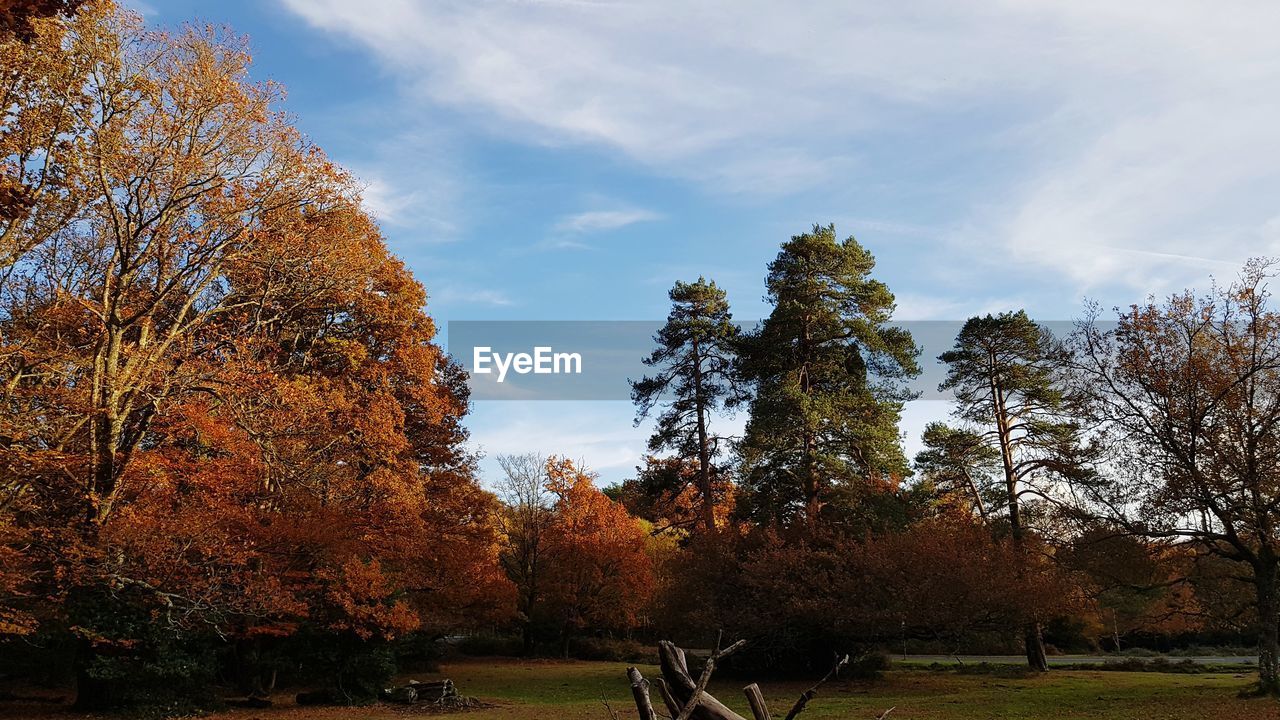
[1006, 375]
[696, 360]
[829, 371]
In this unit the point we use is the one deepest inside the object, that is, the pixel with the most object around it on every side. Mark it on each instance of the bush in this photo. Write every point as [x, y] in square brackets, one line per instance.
[127, 658]
[1157, 664]
[611, 650]
[1214, 651]
[418, 652]
[352, 670]
[868, 666]
[490, 645]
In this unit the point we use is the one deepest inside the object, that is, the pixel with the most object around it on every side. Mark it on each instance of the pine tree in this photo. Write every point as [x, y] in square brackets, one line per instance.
[1005, 372]
[697, 361]
[829, 371]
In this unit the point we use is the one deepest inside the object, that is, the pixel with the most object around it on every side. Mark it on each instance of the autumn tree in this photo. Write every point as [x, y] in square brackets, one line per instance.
[697, 376]
[526, 518]
[223, 411]
[1006, 373]
[1137, 585]
[47, 63]
[942, 579]
[828, 370]
[1187, 396]
[601, 574]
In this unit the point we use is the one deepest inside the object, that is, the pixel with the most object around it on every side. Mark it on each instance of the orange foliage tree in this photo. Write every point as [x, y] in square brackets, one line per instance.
[601, 573]
[221, 403]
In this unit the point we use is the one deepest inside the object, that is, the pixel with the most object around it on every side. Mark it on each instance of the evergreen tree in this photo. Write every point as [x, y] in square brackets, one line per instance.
[696, 360]
[829, 372]
[1006, 375]
[959, 463]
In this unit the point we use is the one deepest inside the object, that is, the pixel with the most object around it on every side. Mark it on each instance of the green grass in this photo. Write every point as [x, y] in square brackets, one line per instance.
[569, 690]
[574, 690]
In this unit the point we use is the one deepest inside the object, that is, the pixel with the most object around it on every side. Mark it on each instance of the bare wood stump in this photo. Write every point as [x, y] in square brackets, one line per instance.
[755, 699]
[640, 692]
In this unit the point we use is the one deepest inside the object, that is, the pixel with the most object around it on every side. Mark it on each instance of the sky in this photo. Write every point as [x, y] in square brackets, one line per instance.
[572, 159]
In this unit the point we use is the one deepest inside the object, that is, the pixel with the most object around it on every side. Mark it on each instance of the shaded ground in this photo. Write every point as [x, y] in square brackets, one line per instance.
[1069, 659]
[568, 690]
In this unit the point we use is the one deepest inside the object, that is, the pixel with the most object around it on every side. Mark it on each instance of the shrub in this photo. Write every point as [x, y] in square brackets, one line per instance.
[611, 650]
[350, 669]
[868, 666]
[490, 645]
[1156, 664]
[1013, 672]
[129, 659]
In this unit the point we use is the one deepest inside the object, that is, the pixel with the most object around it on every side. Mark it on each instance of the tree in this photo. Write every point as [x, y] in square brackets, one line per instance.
[1186, 393]
[526, 519]
[1136, 584]
[601, 574]
[1006, 373]
[829, 372]
[697, 357]
[223, 416]
[941, 579]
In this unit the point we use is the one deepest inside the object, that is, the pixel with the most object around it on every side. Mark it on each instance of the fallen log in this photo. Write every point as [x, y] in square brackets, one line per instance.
[436, 691]
[253, 701]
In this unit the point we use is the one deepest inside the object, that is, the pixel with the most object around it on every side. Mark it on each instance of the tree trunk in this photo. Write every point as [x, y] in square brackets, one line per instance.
[640, 693]
[1033, 639]
[526, 638]
[1268, 631]
[705, 487]
[93, 694]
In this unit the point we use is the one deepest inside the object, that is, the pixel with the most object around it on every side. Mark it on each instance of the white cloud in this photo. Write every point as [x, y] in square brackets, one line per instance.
[1134, 141]
[409, 180]
[600, 434]
[454, 295]
[382, 201]
[913, 306]
[602, 220]
[141, 7]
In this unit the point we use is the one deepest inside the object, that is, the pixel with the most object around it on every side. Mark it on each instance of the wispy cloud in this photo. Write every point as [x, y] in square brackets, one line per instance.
[600, 434]
[385, 203]
[454, 295]
[1105, 142]
[602, 220]
[913, 306]
[141, 7]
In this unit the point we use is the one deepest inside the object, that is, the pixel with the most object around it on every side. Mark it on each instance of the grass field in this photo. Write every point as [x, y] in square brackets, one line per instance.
[569, 690]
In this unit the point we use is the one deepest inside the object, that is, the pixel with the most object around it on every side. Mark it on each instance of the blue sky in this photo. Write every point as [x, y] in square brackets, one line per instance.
[570, 159]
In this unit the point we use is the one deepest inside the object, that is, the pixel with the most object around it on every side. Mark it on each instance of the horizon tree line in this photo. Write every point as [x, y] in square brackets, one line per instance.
[1165, 427]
